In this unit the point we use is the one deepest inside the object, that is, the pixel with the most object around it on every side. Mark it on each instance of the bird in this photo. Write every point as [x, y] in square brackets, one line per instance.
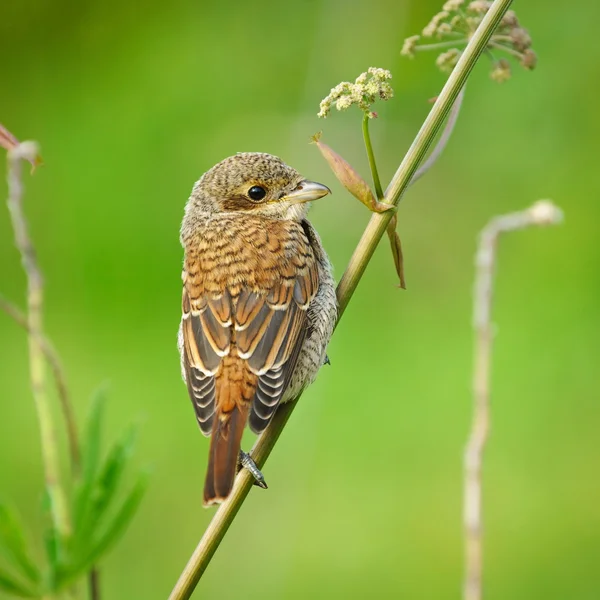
[258, 305]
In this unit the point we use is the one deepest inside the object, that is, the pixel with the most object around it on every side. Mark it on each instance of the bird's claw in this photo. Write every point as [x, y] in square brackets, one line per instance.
[245, 461]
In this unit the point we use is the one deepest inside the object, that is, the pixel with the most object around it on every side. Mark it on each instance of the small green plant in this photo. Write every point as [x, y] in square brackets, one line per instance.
[87, 515]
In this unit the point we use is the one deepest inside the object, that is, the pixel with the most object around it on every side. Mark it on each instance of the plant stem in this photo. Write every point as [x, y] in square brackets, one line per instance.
[441, 45]
[366, 247]
[371, 156]
[541, 213]
[50, 454]
[227, 511]
[53, 360]
[504, 48]
[403, 176]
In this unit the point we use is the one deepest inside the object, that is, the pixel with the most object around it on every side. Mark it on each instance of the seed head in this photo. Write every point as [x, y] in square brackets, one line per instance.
[432, 27]
[456, 24]
[368, 87]
[447, 60]
[501, 71]
[453, 5]
[410, 43]
[529, 59]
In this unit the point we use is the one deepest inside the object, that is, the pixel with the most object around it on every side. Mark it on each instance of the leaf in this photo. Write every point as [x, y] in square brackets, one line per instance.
[12, 542]
[117, 525]
[52, 543]
[90, 455]
[350, 179]
[104, 488]
[13, 586]
[112, 471]
[396, 250]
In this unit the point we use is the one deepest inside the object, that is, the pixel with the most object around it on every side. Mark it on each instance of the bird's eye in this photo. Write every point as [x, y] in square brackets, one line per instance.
[256, 192]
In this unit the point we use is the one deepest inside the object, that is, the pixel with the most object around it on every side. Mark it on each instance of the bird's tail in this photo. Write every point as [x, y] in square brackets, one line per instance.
[225, 443]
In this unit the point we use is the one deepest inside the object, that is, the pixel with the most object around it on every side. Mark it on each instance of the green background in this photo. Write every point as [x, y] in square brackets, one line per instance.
[131, 103]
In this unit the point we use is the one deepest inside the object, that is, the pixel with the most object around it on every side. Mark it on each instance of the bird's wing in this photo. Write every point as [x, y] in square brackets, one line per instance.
[263, 326]
[206, 339]
[270, 329]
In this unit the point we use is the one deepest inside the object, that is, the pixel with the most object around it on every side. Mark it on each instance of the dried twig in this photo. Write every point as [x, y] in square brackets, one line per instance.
[53, 360]
[372, 235]
[541, 213]
[58, 505]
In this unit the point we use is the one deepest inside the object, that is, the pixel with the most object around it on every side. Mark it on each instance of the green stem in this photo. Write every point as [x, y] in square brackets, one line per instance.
[224, 516]
[440, 45]
[504, 48]
[35, 296]
[371, 155]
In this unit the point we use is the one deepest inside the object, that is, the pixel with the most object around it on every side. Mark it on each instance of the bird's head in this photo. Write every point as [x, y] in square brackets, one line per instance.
[256, 184]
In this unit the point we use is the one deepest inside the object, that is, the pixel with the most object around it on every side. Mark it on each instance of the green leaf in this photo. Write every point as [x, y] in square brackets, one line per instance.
[90, 456]
[52, 543]
[396, 246]
[13, 544]
[13, 586]
[118, 524]
[108, 481]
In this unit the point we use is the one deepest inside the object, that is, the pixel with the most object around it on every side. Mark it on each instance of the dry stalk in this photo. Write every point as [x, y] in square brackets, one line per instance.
[540, 214]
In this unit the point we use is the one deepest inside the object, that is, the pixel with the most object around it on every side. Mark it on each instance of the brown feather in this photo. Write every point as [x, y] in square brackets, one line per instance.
[225, 445]
[235, 385]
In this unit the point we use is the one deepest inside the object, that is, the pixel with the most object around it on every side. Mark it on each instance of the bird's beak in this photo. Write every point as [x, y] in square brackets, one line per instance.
[307, 191]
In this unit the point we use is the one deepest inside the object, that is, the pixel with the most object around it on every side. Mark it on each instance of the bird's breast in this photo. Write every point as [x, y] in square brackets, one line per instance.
[234, 253]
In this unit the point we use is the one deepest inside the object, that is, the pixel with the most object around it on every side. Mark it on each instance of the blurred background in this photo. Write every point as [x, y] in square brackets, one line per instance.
[131, 103]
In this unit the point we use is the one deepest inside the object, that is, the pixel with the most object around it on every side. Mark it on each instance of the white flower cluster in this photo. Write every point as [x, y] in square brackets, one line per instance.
[367, 87]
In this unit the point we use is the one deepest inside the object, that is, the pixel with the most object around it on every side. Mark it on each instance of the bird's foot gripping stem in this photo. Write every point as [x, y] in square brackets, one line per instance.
[245, 461]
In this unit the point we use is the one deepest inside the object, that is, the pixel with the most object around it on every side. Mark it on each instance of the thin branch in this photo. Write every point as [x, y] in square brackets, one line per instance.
[53, 360]
[363, 253]
[541, 213]
[58, 505]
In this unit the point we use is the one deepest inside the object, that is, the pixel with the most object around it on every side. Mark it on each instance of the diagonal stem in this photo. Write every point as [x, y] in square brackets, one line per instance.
[374, 232]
